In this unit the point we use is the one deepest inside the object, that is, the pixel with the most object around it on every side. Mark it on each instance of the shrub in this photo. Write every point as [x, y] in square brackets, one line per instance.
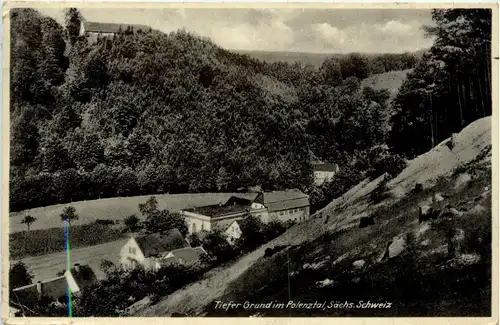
[218, 248]
[105, 222]
[387, 162]
[477, 229]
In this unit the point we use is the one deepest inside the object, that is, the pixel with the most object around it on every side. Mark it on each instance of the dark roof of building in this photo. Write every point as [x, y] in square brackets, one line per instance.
[220, 210]
[55, 288]
[186, 255]
[283, 200]
[96, 27]
[273, 201]
[325, 167]
[26, 295]
[155, 244]
[236, 200]
[85, 276]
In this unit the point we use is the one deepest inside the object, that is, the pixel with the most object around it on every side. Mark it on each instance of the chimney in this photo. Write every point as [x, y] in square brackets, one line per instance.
[39, 287]
[77, 267]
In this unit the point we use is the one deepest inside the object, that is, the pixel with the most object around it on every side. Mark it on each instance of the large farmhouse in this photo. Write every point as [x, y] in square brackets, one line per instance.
[279, 205]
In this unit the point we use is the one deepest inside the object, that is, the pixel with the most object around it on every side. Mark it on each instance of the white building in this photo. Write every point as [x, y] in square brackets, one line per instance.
[150, 250]
[324, 173]
[291, 205]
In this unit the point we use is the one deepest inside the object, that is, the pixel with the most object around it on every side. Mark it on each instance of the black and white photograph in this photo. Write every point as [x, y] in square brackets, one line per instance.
[250, 161]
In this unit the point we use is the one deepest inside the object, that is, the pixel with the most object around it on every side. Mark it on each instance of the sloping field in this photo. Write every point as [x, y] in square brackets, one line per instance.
[340, 214]
[46, 266]
[112, 208]
[388, 80]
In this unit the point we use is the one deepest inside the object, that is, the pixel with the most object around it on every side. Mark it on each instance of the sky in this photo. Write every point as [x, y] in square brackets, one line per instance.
[296, 30]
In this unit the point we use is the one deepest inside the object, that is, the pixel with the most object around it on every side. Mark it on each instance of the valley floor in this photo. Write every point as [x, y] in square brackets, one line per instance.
[46, 266]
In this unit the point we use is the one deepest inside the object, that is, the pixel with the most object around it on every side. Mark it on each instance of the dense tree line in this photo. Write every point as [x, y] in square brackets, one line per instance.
[450, 87]
[150, 113]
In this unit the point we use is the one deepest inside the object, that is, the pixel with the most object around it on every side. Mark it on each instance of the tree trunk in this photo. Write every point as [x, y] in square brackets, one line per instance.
[459, 96]
[432, 122]
[466, 109]
[481, 95]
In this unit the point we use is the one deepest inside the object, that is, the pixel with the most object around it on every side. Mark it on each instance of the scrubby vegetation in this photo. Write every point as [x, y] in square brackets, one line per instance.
[254, 234]
[121, 289]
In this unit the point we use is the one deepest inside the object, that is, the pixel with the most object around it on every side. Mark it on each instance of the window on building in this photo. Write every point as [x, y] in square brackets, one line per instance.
[194, 227]
[202, 226]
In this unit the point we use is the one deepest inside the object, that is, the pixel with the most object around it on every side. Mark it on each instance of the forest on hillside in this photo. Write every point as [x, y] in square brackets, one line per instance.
[152, 112]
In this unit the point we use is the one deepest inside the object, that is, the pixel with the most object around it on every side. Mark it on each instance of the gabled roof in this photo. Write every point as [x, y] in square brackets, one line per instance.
[155, 244]
[237, 205]
[223, 225]
[283, 200]
[325, 167]
[53, 288]
[84, 277]
[186, 255]
[96, 27]
[227, 225]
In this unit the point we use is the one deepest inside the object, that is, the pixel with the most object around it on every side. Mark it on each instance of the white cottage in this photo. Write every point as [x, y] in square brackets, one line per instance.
[149, 250]
[233, 232]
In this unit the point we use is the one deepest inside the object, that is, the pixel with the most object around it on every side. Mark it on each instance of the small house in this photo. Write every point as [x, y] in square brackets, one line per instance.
[233, 232]
[149, 249]
[74, 280]
[324, 172]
